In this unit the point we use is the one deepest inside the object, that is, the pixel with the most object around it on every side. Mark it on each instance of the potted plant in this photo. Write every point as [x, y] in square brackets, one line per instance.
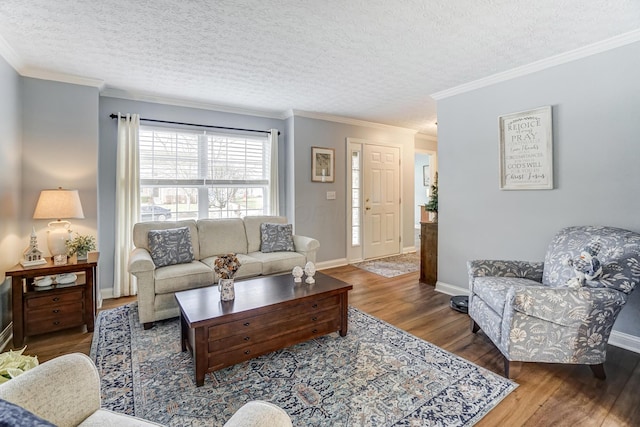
[432, 205]
[81, 245]
[13, 363]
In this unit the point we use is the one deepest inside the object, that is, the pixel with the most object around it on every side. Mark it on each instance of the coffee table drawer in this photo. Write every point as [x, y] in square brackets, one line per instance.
[223, 358]
[272, 319]
[270, 331]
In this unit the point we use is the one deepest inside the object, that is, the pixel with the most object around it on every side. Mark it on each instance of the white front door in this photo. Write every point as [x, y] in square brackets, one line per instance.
[381, 191]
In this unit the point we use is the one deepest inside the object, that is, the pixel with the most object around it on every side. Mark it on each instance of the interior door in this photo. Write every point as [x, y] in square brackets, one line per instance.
[381, 190]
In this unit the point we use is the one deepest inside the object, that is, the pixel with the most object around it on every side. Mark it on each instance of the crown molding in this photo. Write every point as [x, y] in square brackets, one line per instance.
[552, 61]
[348, 121]
[10, 55]
[427, 137]
[111, 92]
[38, 73]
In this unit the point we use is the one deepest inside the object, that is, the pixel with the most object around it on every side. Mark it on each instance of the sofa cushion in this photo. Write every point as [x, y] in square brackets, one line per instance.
[221, 236]
[141, 233]
[249, 267]
[278, 262]
[180, 277]
[252, 228]
[171, 246]
[276, 237]
[14, 415]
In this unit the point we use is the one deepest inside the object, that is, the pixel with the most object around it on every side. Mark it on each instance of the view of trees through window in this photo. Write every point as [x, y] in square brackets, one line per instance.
[191, 175]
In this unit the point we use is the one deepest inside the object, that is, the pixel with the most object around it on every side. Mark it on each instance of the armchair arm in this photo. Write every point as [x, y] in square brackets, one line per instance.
[308, 246]
[140, 261]
[259, 413]
[63, 391]
[566, 306]
[521, 269]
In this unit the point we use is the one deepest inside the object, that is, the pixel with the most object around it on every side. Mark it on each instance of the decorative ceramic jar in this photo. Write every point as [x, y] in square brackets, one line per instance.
[227, 290]
[297, 274]
[310, 270]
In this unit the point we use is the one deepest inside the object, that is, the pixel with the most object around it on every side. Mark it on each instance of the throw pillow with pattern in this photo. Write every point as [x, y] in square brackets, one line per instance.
[171, 246]
[276, 237]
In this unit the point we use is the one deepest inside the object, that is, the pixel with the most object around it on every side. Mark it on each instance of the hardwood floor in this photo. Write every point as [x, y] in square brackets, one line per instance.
[548, 394]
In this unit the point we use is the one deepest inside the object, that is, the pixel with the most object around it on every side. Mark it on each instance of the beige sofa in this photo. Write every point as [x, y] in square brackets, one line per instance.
[66, 392]
[210, 238]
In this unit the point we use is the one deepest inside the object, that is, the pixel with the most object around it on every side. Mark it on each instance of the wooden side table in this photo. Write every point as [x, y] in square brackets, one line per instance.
[38, 310]
[429, 252]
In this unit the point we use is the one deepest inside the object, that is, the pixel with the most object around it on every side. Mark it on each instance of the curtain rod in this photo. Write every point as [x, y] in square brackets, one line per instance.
[115, 116]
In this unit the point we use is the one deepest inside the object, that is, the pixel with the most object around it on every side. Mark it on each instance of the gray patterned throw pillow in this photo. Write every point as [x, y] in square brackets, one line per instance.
[276, 237]
[170, 246]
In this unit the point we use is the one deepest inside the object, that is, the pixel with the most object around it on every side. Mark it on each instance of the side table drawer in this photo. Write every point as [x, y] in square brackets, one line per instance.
[50, 299]
[69, 316]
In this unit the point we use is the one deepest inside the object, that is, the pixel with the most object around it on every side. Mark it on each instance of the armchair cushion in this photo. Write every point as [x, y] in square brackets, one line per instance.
[494, 290]
[501, 268]
[171, 246]
[619, 256]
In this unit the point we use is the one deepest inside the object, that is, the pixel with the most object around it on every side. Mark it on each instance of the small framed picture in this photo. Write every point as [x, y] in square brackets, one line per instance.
[526, 150]
[425, 175]
[323, 163]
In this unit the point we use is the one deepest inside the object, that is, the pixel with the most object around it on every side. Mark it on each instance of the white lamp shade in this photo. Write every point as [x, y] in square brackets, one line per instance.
[58, 204]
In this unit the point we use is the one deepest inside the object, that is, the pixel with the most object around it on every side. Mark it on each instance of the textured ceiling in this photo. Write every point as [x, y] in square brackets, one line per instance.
[374, 60]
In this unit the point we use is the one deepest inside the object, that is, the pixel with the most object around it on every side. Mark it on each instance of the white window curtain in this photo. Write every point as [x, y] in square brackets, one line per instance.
[274, 197]
[127, 201]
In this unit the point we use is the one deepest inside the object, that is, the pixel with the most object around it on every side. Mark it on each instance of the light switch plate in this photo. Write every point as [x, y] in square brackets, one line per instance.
[331, 195]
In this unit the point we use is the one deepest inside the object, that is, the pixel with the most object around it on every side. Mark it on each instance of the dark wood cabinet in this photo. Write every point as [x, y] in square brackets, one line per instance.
[38, 310]
[429, 252]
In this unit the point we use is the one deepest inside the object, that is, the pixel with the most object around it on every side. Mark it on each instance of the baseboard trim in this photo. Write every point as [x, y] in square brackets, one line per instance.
[6, 336]
[618, 339]
[449, 289]
[408, 250]
[626, 341]
[331, 263]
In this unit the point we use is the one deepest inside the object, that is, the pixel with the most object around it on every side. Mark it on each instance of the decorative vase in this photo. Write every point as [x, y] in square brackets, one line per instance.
[310, 271]
[82, 256]
[227, 290]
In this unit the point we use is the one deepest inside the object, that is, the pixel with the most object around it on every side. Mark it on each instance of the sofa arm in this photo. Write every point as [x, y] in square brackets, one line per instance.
[259, 413]
[63, 391]
[565, 306]
[140, 261]
[307, 246]
[501, 268]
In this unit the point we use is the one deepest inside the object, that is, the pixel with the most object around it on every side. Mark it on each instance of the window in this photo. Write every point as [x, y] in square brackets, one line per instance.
[190, 175]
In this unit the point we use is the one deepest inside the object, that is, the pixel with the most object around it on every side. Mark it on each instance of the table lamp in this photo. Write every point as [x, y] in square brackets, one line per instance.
[58, 204]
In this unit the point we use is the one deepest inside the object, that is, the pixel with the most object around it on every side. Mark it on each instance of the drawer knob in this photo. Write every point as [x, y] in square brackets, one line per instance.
[247, 352]
[314, 306]
[247, 324]
[247, 338]
[56, 323]
[55, 299]
[56, 311]
[314, 318]
[315, 331]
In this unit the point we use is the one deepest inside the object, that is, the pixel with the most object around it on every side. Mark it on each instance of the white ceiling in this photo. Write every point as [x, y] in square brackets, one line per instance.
[373, 60]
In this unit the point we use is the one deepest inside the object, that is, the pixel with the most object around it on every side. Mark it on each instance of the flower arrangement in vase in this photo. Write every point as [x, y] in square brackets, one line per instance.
[14, 363]
[226, 267]
[81, 245]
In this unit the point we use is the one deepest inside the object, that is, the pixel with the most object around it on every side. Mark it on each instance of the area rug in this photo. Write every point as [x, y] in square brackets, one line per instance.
[377, 375]
[392, 266]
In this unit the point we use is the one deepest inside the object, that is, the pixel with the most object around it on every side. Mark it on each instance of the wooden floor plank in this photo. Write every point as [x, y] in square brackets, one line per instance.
[548, 394]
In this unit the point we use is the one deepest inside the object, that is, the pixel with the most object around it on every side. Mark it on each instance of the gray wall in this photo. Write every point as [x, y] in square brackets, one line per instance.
[59, 149]
[11, 242]
[596, 129]
[323, 219]
[107, 160]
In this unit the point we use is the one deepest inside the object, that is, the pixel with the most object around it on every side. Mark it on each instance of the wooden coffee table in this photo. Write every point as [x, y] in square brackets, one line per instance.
[269, 313]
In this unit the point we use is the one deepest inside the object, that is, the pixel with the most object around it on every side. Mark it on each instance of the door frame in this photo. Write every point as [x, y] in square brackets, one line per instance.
[355, 252]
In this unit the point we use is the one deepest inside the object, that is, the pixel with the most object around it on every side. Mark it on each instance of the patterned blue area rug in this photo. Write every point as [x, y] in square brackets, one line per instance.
[377, 375]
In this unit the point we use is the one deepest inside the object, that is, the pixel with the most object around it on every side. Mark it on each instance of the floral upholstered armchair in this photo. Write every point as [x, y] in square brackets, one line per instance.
[531, 314]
